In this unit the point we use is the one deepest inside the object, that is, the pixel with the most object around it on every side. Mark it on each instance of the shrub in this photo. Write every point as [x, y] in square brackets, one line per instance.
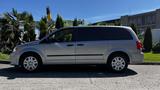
[147, 43]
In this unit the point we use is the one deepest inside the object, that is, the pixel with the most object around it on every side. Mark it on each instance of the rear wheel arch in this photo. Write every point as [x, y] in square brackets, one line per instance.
[118, 53]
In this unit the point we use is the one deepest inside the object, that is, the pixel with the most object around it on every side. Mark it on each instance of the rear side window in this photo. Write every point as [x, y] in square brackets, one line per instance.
[102, 33]
[116, 34]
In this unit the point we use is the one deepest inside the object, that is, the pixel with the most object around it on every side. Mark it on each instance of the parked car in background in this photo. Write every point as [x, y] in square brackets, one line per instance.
[114, 46]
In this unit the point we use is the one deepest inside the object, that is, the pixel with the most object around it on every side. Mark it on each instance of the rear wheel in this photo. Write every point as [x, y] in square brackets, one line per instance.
[30, 62]
[118, 63]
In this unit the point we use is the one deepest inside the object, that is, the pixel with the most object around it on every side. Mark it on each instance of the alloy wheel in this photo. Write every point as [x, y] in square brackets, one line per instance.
[30, 63]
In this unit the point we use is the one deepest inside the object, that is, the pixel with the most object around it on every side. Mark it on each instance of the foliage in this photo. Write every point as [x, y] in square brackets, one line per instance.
[147, 43]
[134, 28]
[59, 22]
[29, 28]
[75, 22]
[81, 21]
[156, 48]
[43, 27]
[11, 34]
[4, 56]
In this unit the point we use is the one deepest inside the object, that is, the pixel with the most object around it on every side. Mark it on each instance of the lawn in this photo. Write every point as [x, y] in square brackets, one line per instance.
[148, 57]
[4, 57]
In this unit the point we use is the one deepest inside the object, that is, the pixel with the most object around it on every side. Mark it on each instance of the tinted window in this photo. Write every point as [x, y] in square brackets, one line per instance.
[65, 35]
[93, 34]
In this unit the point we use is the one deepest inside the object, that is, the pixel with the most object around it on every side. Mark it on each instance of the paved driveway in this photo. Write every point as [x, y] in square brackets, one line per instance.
[137, 77]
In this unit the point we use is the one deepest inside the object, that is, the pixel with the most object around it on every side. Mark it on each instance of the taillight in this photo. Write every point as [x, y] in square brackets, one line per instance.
[139, 45]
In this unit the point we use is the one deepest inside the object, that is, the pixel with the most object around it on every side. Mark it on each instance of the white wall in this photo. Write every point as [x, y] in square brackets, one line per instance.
[155, 36]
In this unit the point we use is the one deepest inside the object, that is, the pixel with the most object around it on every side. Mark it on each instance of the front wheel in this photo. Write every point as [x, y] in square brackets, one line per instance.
[118, 63]
[30, 63]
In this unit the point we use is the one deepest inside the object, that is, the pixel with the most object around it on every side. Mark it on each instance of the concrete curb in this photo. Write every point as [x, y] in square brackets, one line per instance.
[145, 63]
[148, 63]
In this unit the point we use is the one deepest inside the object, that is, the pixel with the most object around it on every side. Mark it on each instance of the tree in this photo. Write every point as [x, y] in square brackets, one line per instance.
[32, 25]
[43, 27]
[29, 28]
[147, 43]
[11, 32]
[75, 22]
[5, 36]
[134, 28]
[59, 22]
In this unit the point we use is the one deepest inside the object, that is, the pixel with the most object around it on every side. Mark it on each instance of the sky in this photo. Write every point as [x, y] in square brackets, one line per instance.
[89, 10]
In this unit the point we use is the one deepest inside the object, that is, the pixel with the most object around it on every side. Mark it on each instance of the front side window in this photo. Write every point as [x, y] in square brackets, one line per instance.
[62, 36]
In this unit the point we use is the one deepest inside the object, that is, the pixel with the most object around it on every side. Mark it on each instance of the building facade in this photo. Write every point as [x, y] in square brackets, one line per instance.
[143, 20]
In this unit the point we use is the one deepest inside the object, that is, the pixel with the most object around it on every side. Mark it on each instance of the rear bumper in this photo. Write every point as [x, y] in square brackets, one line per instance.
[137, 58]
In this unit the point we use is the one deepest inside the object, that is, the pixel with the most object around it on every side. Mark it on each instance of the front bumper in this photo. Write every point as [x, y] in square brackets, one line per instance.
[14, 57]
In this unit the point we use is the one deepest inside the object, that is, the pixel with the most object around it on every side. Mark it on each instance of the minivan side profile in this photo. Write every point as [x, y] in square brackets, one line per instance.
[114, 46]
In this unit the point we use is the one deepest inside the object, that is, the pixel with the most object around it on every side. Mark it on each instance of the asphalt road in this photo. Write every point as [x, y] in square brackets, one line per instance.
[137, 77]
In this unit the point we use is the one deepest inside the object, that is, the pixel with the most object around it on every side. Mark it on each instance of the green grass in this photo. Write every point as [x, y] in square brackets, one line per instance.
[4, 57]
[150, 57]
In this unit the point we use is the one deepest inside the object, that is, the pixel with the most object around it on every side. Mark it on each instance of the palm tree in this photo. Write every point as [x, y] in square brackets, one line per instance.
[5, 35]
[12, 32]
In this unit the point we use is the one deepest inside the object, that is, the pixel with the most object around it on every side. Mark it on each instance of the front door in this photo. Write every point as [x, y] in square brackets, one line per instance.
[60, 48]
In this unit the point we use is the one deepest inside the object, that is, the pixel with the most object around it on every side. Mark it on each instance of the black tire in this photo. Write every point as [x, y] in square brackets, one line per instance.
[118, 60]
[36, 59]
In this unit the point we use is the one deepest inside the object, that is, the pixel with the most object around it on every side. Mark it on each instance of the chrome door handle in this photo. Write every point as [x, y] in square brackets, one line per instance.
[69, 45]
[80, 44]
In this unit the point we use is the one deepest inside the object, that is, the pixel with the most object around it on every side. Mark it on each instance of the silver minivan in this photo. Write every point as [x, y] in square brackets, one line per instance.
[114, 46]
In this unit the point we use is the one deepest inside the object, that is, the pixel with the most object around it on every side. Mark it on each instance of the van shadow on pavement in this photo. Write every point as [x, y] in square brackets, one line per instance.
[64, 71]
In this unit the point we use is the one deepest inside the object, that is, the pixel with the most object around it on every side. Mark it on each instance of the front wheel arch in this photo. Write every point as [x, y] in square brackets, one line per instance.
[30, 53]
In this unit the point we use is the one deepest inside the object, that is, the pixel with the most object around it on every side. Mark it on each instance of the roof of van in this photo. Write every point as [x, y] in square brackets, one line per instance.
[97, 27]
